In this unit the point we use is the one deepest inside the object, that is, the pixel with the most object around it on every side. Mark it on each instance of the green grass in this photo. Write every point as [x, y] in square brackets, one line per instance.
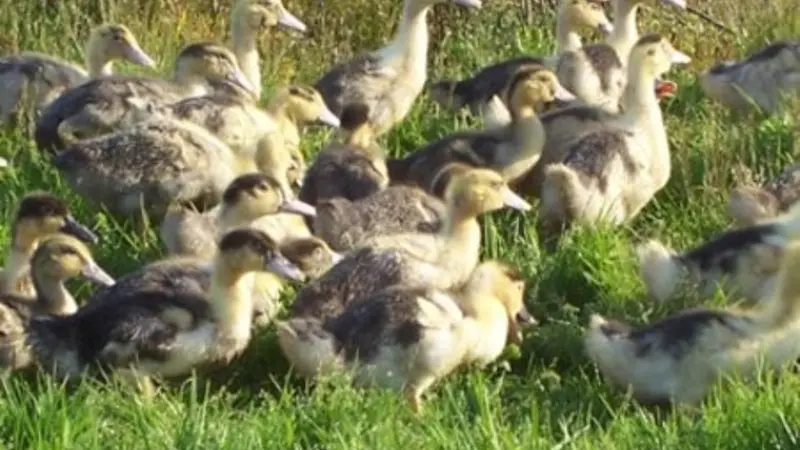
[551, 397]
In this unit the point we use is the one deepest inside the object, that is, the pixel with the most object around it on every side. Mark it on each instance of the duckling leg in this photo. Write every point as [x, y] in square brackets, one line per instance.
[413, 392]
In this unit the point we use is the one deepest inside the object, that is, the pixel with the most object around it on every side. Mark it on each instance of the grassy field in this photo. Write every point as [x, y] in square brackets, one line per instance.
[551, 397]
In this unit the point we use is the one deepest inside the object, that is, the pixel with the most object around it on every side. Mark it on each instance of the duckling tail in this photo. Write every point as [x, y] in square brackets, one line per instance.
[659, 268]
[448, 94]
[788, 224]
[785, 306]
[749, 205]
[562, 192]
[309, 347]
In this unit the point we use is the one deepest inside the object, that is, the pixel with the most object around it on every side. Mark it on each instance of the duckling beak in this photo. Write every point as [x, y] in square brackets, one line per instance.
[678, 57]
[280, 265]
[96, 274]
[676, 3]
[561, 93]
[290, 21]
[336, 258]
[80, 231]
[329, 118]
[512, 200]
[605, 28]
[136, 55]
[469, 3]
[295, 206]
[238, 78]
[525, 318]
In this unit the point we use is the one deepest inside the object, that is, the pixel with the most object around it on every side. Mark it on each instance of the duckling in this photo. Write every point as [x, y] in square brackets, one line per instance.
[38, 215]
[614, 172]
[248, 19]
[346, 224]
[163, 332]
[190, 233]
[475, 92]
[57, 259]
[407, 338]
[762, 80]
[678, 359]
[390, 79]
[511, 150]
[45, 77]
[95, 107]
[749, 205]
[441, 260]
[312, 255]
[148, 166]
[352, 170]
[744, 260]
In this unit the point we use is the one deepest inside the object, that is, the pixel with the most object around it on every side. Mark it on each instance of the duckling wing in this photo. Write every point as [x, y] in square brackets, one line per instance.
[171, 276]
[364, 79]
[492, 80]
[341, 171]
[48, 77]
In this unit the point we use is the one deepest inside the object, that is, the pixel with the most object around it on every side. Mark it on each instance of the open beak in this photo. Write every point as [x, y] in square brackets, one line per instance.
[290, 21]
[329, 118]
[238, 78]
[469, 3]
[96, 274]
[295, 206]
[522, 320]
[525, 319]
[136, 55]
[561, 93]
[665, 88]
[606, 28]
[676, 3]
[79, 230]
[512, 200]
[280, 265]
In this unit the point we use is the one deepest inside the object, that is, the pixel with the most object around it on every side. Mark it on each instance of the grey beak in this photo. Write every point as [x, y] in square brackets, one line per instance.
[80, 231]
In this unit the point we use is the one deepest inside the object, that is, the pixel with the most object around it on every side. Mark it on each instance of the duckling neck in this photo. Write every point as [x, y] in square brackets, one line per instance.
[625, 32]
[529, 139]
[567, 39]
[462, 236]
[246, 50]
[409, 48]
[229, 217]
[643, 114]
[98, 64]
[232, 304]
[52, 296]
[190, 86]
[18, 259]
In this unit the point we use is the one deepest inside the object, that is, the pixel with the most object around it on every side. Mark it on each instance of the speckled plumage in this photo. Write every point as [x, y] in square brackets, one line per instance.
[600, 156]
[343, 171]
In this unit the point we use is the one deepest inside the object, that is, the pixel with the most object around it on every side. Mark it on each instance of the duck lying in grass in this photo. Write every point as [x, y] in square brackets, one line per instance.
[744, 261]
[407, 338]
[749, 205]
[678, 359]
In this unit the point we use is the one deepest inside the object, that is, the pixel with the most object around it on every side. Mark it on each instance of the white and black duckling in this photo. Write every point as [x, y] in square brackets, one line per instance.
[163, 332]
[187, 232]
[678, 359]
[407, 338]
[611, 174]
[44, 77]
[743, 260]
[96, 107]
[511, 150]
[249, 18]
[442, 260]
[59, 258]
[352, 169]
[388, 80]
[346, 224]
[38, 215]
[573, 16]
[749, 205]
[762, 81]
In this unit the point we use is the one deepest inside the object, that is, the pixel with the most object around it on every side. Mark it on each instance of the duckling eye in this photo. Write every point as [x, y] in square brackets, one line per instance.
[651, 52]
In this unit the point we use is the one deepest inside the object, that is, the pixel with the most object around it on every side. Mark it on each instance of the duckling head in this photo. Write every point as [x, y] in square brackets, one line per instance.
[62, 257]
[312, 255]
[473, 192]
[355, 128]
[532, 88]
[206, 61]
[652, 56]
[114, 41]
[586, 14]
[253, 195]
[304, 104]
[259, 15]
[245, 250]
[41, 214]
[508, 286]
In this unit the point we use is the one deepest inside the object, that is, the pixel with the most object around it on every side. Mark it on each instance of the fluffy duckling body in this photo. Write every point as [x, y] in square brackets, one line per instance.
[763, 80]
[678, 359]
[38, 215]
[511, 150]
[750, 205]
[388, 80]
[441, 260]
[407, 338]
[57, 259]
[44, 77]
[352, 170]
[744, 260]
[98, 106]
[148, 166]
[164, 333]
[613, 173]
[573, 17]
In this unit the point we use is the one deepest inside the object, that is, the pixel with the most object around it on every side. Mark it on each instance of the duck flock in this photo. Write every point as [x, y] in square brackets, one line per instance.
[384, 252]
